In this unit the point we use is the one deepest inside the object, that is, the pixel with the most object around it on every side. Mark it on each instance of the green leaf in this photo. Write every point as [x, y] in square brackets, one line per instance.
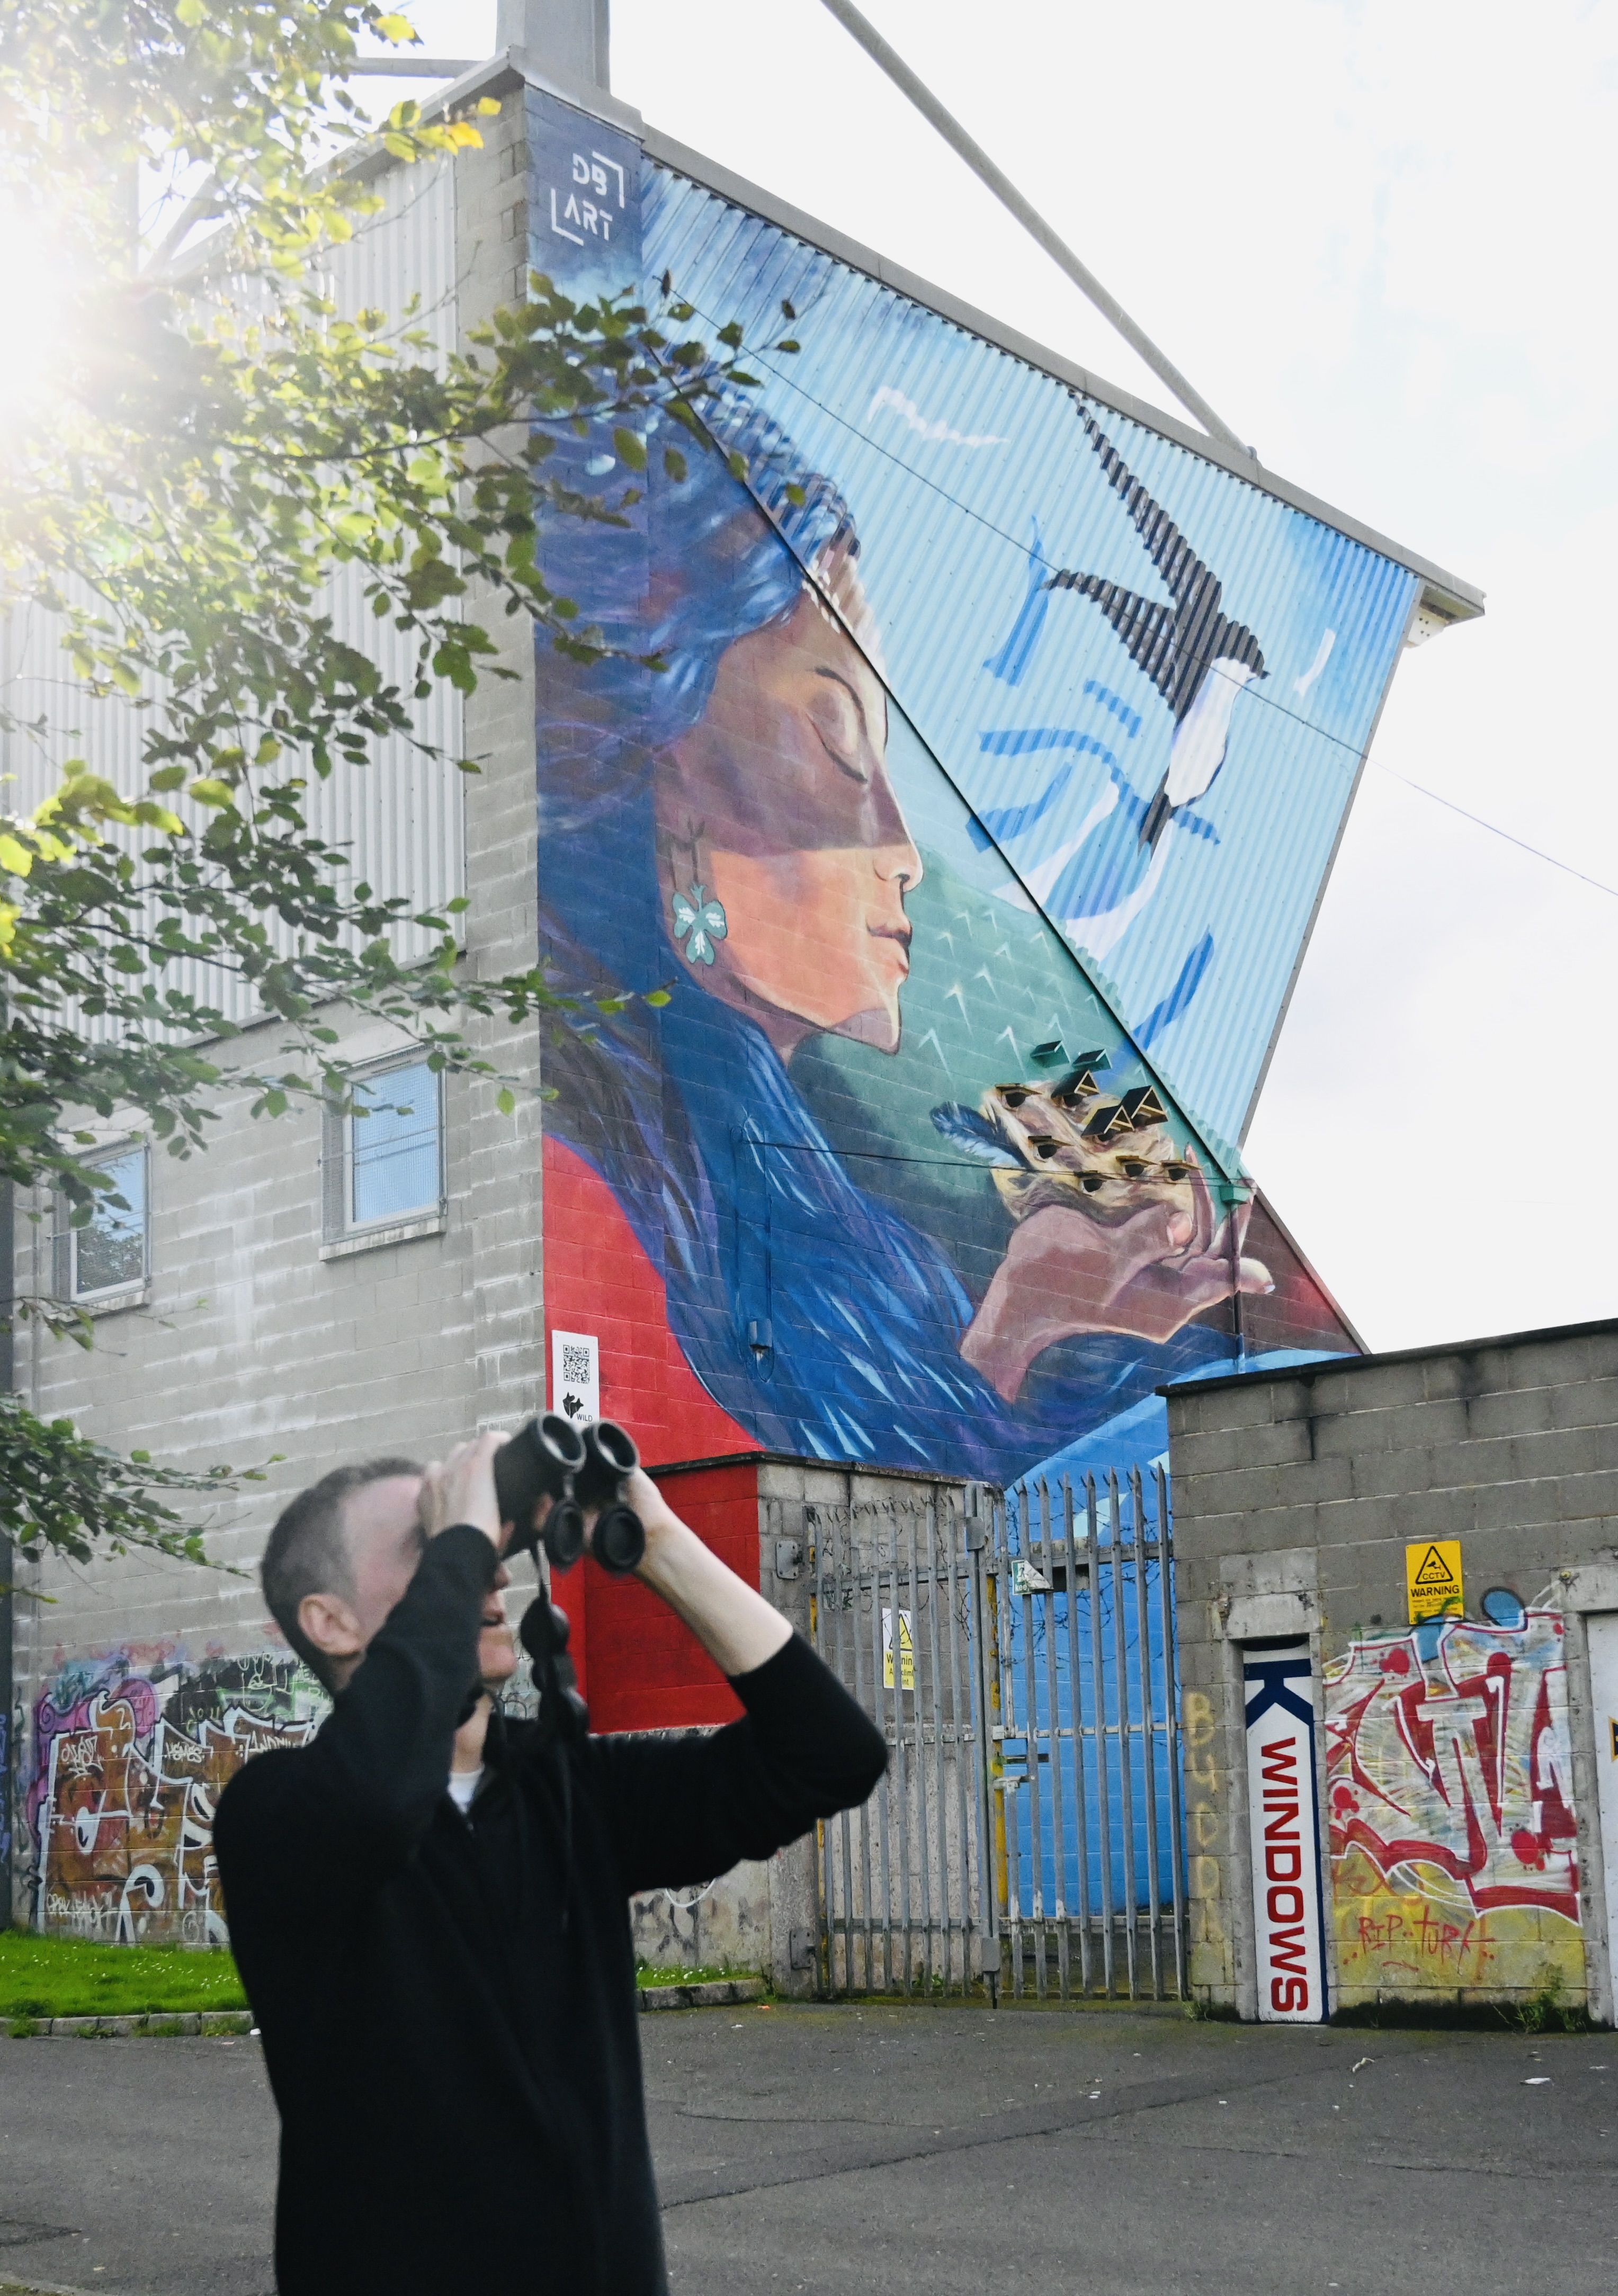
[507, 1101]
[630, 449]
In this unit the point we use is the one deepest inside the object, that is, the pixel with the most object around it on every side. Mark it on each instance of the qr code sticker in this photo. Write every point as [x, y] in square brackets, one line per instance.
[575, 1365]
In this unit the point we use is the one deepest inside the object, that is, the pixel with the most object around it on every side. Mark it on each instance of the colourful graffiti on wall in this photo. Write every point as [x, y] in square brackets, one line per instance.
[1453, 1842]
[130, 1755]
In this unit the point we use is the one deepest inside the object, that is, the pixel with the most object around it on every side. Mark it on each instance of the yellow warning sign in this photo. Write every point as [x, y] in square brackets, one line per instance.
[897, 1626]
[1433, 1578]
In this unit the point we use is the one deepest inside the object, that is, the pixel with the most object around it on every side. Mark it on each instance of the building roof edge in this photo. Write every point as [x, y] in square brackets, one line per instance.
[1335, 1364]
[1452, 599]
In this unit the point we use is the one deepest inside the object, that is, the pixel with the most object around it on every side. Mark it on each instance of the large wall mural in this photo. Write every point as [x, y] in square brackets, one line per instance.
[894, 1169]
[1454, 1856]
[130, 1753]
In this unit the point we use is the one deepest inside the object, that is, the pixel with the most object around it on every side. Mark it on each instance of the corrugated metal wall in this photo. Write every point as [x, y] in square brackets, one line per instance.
[972, 479]
[401, 816]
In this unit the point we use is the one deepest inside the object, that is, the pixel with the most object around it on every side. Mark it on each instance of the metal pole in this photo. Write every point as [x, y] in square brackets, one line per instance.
[1126, 1783]
[1149, 1726]
[8, 1750]
[901, 1749]
[961, 1735]
[990, 1708]
[1010, 1842]
[867, 1879]
[983, 168]
[941, 1796]
[1165, 1595]
[1076, 1700]
[923, 1848]
[1030, 1739]
[879, 1701]
[1058, 1783]
[1104, 1769]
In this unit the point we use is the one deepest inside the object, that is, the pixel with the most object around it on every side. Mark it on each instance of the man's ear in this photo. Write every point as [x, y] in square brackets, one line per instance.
[331, 1625]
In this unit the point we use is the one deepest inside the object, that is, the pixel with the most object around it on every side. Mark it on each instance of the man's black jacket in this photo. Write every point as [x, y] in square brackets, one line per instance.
[447, 2005]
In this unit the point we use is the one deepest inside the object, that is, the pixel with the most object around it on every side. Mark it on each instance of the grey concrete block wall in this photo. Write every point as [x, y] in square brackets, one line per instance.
[1295, 1496]
[249, 1343]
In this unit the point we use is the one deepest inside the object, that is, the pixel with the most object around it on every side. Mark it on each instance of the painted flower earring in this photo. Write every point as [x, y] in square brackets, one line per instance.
[703, 919]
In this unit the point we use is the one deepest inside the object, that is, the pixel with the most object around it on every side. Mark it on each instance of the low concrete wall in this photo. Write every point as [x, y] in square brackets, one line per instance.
[1457, 1774]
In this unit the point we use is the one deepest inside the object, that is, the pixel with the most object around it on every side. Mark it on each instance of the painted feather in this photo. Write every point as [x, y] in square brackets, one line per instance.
[974, 1136]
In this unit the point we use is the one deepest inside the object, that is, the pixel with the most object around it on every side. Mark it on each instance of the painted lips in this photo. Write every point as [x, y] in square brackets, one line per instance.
[900, 935]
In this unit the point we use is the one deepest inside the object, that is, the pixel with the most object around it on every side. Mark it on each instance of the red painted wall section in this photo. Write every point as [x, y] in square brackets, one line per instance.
[648, 1671]
[598, 1279]
[638, 1667]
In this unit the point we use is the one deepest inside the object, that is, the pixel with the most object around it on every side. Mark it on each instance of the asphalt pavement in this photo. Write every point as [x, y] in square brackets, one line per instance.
[820, 2152]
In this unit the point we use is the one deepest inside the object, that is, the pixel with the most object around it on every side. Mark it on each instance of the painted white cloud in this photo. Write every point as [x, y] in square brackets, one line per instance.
[940, 432]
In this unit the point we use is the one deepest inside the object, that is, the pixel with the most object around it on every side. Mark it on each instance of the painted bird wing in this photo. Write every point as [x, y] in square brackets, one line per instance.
[1147, 627]
[1195, 591]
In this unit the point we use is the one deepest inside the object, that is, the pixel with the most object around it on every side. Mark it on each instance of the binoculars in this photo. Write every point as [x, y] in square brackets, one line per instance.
[577, 1469]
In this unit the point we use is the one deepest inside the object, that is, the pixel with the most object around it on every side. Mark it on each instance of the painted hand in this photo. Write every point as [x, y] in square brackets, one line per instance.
[1064, 1273]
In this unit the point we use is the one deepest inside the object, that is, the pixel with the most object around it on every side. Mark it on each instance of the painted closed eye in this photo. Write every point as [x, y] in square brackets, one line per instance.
[835, 717]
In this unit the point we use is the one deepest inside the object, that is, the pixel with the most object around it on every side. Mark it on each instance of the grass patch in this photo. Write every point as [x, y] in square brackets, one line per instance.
[1539, 2012]
[63, 1977]
[681, 1976]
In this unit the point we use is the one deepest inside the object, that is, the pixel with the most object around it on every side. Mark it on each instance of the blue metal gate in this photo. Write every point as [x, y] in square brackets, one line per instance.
[1018, 1653]
[1083, 1740]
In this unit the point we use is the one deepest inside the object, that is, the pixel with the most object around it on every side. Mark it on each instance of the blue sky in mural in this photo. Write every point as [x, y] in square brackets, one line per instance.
[1213, 646]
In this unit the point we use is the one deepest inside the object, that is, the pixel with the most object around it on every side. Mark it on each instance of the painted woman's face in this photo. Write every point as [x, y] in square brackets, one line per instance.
[779, 804]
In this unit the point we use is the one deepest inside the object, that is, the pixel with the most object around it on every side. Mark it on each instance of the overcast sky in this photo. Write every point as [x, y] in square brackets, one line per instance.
[1378, 239]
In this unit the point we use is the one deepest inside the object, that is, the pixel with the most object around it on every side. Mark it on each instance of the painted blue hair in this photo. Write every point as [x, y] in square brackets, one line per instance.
[695, 569]
[815, 1314]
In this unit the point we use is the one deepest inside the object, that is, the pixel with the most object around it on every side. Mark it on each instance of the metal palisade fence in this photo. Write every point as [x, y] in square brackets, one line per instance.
[1018, 1654]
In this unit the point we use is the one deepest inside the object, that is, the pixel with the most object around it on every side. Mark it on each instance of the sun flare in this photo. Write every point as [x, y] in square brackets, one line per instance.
[37, 277]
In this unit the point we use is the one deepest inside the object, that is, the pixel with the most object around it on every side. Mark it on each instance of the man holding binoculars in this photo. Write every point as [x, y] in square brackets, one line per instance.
[429, 1904]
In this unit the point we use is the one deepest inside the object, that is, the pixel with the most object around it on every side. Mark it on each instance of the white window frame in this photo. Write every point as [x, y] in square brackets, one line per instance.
[136, 1291]
[342, 1233]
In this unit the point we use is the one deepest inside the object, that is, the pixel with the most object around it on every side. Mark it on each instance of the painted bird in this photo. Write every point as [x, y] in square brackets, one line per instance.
[1198, 658]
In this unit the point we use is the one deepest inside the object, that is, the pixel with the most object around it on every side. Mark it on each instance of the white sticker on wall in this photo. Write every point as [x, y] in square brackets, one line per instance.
[575, 1375]
[1279, 1692]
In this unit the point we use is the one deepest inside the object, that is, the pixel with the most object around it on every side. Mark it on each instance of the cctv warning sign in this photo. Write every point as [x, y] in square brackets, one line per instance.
[1433, 1579]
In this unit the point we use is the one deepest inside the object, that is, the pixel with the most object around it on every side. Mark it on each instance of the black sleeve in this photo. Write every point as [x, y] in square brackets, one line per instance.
[365, 1792]
[685, 1810]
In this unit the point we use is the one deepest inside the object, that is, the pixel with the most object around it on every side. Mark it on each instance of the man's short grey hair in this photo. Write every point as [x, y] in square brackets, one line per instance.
[309, 1550]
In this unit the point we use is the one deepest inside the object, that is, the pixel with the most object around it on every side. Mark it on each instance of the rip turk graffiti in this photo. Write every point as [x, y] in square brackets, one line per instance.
[854, 1153]
[1453, 1843]
[131, 1751]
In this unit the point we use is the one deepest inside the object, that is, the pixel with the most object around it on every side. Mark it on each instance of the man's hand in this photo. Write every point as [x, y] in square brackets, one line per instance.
[461, 1488]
